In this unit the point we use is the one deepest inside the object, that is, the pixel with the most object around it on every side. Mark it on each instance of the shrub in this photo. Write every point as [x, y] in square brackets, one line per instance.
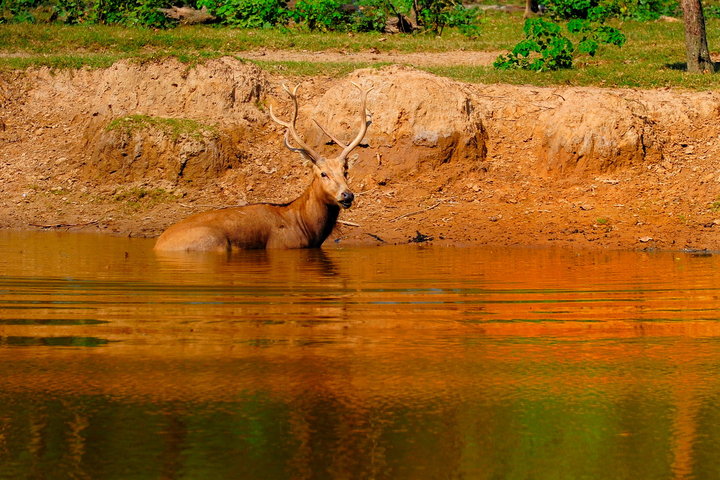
[546, 47]
[372, 15]
[324, 15]
[18, 10]
[435, 15]
[644, 10]
[71, 11]
[248, 13]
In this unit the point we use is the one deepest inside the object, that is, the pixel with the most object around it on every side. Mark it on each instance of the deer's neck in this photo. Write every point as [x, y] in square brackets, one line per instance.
[316, 215]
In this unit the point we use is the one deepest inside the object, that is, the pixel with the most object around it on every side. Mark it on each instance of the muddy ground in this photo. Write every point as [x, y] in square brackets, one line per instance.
[130, 149]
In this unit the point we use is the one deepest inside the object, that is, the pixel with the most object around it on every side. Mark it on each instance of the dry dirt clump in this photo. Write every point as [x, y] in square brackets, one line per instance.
[135, 147]
[420, 122]
[595, 132]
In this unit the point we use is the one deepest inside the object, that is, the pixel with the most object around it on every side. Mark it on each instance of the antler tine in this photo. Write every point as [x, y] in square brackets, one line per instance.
[365, 122]
[338, 142]
[290, 126]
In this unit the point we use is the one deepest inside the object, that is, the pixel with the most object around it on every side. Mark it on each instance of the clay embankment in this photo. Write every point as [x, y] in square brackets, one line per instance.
[461, 163]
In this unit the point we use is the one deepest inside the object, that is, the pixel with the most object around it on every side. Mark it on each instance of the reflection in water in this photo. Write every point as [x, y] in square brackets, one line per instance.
[394, 362]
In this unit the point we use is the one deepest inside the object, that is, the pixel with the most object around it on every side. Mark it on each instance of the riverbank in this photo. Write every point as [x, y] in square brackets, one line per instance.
[132, 148]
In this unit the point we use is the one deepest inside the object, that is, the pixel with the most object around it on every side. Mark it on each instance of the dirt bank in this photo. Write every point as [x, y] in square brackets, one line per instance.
[133, 148]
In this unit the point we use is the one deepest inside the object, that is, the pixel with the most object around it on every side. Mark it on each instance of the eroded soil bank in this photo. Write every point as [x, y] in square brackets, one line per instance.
[133, 148]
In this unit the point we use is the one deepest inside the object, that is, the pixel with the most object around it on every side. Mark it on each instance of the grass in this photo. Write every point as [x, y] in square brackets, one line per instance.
[715, 205]
[175, 127]
[653, 56]
[137, 198]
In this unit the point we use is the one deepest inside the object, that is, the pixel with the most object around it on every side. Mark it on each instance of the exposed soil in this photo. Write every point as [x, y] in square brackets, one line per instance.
[446, 162]
[412, 59]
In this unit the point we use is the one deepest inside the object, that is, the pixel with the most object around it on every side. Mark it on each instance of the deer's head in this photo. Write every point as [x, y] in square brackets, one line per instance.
[330, 173]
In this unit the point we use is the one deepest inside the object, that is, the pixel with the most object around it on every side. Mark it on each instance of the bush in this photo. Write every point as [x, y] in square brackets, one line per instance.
[372, 15]
[129, 12]
[435, 15]
[324, 15]
[601, 10]
[71, 11]
[248, 13]
[18, 10]
[545, 47]
[644, 10]
[123, 12]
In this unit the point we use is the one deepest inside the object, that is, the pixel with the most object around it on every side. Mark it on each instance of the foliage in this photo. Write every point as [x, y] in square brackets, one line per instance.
[18, 10]
[711, 11]
[342, 16]
[435, 15]
[546, 46]
[644, 10]
[128, 12]
[315, 15]
[372, 15]
[601, 10]
[544, 39]
[71, 12]
[248, 13]
[122, 12]
[324, 15]
[577, 9]
[653, 56]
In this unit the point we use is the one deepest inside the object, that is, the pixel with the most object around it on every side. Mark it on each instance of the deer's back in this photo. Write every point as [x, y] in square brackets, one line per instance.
[247, 227]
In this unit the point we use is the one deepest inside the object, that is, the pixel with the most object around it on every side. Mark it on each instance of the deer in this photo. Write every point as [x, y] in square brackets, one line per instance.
[305, 222]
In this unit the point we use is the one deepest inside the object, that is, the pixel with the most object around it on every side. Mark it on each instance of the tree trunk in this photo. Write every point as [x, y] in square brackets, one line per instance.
[531, 8]
[696, 46]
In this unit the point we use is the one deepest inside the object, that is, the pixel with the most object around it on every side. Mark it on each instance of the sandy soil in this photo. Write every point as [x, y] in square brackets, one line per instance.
[412, 59]
[447, 162]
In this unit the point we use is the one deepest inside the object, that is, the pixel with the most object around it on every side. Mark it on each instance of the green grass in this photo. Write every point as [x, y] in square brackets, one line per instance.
[138, 198]
[653, 56]
[715, 205]
[175, 127]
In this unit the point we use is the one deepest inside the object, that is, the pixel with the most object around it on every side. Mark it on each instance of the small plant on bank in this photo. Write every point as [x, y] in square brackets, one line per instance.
[142, 197]
[715, 205]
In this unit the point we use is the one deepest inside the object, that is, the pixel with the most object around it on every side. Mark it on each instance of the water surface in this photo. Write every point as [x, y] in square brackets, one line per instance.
[394, 362]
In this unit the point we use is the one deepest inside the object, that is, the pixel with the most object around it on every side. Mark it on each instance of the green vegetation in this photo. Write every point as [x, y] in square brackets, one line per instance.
[547, 47]
[715, 205]
[175, 127]
[137, 198]
[653, 55]
[322, 15]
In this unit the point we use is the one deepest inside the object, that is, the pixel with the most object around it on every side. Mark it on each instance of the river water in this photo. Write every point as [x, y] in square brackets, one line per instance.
[398, 362]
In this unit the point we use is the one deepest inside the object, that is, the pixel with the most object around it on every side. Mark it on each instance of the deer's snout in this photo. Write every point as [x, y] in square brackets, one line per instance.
[346, 199]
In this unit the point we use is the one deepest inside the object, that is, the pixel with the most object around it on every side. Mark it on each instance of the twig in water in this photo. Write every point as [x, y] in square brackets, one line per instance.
[377, 238]
[351, 224]
[64, 225]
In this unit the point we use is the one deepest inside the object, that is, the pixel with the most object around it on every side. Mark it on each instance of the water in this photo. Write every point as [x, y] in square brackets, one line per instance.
[390, 363]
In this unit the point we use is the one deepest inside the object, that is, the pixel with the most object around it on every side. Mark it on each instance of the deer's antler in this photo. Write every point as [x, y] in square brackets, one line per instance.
[364, 123]
[291, 131]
